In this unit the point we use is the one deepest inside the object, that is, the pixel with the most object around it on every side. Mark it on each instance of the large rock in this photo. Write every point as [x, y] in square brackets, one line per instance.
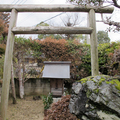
[96, 98]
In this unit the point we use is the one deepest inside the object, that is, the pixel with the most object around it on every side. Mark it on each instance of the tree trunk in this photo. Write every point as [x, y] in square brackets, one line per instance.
[21, 89]
[21, 85]
[4, 40]
[13, 85]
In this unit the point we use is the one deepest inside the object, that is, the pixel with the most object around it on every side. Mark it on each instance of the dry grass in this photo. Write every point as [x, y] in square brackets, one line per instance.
[26, 109]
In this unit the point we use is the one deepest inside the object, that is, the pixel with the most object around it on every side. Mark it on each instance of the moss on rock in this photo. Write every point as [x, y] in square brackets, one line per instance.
[99, 79]
[115, 82]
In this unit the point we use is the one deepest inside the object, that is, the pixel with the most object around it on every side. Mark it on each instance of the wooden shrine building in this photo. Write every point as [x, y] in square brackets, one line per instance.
[57, 71]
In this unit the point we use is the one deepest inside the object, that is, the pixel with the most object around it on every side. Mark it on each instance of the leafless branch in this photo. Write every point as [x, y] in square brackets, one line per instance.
[116, 3]
[109, 22]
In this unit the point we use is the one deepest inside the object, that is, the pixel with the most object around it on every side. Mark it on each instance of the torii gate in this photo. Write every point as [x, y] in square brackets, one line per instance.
[14, 9]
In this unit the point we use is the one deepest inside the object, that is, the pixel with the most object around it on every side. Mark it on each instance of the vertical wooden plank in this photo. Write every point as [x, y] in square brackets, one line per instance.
[93, 43]
[7, 65]
[62, 86]
[50, 85]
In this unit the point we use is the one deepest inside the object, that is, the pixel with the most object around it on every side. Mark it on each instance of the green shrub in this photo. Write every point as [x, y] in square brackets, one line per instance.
[1, 66]
[47, 101]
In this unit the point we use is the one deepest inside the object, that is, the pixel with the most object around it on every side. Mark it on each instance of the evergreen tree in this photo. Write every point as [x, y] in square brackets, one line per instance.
[102, 37]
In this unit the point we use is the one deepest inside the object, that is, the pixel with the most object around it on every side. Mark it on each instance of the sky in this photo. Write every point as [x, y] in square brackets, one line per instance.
[32, 19]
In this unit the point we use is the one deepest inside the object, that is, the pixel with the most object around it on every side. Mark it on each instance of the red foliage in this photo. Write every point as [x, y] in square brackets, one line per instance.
[53, 49]
[4, 23]
[1, 118]
[60, 110]
[114, 62]
[3, 46]
[110, 55]
[1, 26]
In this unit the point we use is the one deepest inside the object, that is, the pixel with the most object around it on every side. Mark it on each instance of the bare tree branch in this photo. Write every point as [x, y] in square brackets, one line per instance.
[109, 22]
[116, 4]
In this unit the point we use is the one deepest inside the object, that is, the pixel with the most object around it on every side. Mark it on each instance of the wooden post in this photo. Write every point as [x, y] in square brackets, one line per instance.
[7, 65]
[93, 43]
[62, 86]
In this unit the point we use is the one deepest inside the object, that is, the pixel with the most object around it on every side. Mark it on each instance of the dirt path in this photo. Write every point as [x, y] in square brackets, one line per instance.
[26, 109]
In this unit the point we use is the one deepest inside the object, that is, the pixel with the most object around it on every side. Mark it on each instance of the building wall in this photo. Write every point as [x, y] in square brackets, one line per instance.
[35, 86]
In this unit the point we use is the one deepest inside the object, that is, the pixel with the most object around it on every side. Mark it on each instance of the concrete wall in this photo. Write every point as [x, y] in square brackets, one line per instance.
[35, 86]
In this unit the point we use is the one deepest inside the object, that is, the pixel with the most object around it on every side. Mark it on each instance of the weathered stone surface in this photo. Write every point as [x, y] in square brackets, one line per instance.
[81, 97]
[94, 94]
[77, 87]
[105, 116]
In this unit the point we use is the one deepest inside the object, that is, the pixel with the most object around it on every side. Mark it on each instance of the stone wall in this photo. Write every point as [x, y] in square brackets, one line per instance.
[34, 86]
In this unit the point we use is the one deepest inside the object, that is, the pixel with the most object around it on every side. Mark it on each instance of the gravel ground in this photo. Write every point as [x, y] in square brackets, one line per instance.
[26, 109]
